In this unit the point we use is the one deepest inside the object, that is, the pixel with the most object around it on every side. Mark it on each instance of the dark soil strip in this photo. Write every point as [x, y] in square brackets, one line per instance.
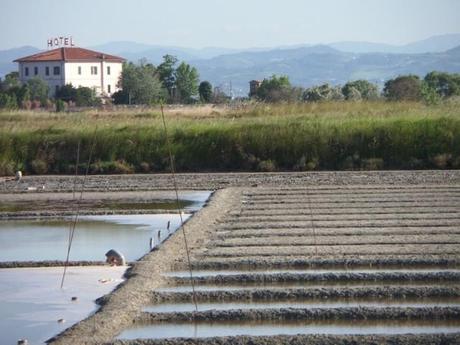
[85, 212]
[358, 217]
[310, 252]
[332, 233]
[356, 190]
[309, 294]
[349, 202]
[321, 277]
[363, 224]
[422, 204]
[332, 263]
[316, 314]
[344, 212]
[402, 339]
[22, 264]
[328, 244]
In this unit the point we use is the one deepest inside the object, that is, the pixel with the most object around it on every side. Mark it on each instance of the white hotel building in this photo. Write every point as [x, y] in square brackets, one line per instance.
[76, 66]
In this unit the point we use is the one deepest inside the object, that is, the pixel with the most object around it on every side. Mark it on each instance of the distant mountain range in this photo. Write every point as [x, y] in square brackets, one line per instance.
[306, 65]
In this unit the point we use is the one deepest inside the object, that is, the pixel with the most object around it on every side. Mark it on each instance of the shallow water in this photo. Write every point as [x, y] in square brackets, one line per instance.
[94, 236]
[168, 330]
[299, 285]
[343, 303]
[40, 240]
[31, 302]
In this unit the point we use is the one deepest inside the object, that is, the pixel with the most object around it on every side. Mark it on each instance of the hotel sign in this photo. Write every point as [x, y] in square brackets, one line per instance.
[60, 42]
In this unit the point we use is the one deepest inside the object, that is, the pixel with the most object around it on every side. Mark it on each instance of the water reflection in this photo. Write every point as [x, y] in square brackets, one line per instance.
[94, 235]
[31, 301]
[215, 329]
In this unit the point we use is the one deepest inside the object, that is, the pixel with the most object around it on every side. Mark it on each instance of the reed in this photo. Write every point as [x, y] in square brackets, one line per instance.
[250, 137]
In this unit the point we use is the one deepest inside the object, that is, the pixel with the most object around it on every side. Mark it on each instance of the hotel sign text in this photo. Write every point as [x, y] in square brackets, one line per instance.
[60, 42]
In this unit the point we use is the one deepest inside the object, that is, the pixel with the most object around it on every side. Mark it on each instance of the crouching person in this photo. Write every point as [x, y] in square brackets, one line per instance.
[115, 258]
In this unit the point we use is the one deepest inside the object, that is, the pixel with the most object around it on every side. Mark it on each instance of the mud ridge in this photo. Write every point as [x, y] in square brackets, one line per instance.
[306, 294]
[320, 277]
[298, 314]
[401, 339]
[325, 263]
[50, 263]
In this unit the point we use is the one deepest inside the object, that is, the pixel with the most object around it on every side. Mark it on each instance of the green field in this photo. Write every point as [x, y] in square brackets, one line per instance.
[253, 137]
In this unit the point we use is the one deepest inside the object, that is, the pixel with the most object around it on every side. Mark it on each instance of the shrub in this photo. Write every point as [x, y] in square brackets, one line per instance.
[111, 167]
[267, 166]
[403, 88]
[441, 161]
[372, 164]
[60, 105]
[6, 167]
[39, 166]
[144, 167]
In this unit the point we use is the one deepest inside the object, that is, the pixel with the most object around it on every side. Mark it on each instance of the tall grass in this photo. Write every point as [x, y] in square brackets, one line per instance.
[256, 137]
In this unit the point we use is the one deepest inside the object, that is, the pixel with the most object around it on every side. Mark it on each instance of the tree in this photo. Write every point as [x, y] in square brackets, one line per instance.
[82, 96]
[275, 89]
[186, 82]
[360, 89]
[11, 81]
[141, 83]
[444, 84]
[205, 91]
[86, 97]
[403, 88]
[8, 101]
[38, 89]
[66, 93]
[166, 73]
[323, 92]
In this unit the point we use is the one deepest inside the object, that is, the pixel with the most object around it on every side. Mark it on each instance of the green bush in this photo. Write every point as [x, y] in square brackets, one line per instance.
[39, 166]
[60, 105]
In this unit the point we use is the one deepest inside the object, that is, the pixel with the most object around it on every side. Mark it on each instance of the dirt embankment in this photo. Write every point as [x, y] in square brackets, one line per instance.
[213, 181]
[403, 339]
[125, 304]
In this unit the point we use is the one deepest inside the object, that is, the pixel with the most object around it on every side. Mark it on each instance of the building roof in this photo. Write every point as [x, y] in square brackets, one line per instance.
[70, 54]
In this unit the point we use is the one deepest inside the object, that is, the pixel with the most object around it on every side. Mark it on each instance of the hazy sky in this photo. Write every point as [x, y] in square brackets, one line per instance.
[225, 23]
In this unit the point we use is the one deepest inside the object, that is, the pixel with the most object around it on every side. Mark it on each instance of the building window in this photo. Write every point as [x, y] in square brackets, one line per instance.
[56, 70]
[35, 70]
[108, 70]
[93, 70]
[26, 71]
[109, 89]
[47, 70]
[79, 70]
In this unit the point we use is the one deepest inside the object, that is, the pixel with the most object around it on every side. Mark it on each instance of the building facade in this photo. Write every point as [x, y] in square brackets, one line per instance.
[77, 66]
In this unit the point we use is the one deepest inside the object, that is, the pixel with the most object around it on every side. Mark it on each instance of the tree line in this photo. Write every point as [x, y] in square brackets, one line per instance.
[168, 82]
[34, 94]
[141, 83]
[434, 87]
[178, 83]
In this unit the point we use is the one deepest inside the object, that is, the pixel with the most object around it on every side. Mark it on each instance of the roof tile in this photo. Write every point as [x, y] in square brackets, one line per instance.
[70, 54]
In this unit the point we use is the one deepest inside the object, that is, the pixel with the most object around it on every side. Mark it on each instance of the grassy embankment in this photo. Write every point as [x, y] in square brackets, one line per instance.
[323, 136]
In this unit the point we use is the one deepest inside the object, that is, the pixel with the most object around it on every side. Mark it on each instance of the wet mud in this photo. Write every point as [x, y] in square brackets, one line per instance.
[322, 204]
[310, 294]
[322, 277]
[298, 314]
[402, 339]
